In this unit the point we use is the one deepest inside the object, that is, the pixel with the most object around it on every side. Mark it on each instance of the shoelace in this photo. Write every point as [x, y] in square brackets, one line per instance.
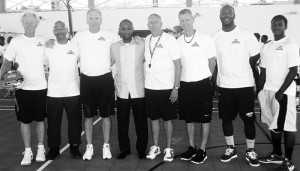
[27, 154]
[252, 155]
[40, 150]
[228, 151]
[152, 150]
[169, 153]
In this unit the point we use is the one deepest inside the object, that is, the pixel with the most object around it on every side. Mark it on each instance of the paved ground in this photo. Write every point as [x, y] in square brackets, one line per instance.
[11, 147]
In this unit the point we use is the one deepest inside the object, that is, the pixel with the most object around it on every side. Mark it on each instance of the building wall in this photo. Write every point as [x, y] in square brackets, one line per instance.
[255, 18]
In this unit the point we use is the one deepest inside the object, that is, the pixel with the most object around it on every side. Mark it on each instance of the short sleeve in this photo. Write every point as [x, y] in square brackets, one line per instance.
[11, 53]
[253, 45]
[211, 48]
[293, 56]
[174, 48]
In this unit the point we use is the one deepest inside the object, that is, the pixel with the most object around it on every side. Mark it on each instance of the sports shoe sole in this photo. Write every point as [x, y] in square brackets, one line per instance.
[25, 164]
[87, 158]
[106, 158]
[40, 160]
[199, 162]
[232, 157]
[168, 160]
[268, 162]
[185, 159]
[254, 165]
[153, 157]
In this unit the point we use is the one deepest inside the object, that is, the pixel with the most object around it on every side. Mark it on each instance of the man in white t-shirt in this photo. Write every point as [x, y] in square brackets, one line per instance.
[279, 66]
[28, 51]
[63, 92]
[237, 54]
[96, 81]
[162, 76]
[195, 94]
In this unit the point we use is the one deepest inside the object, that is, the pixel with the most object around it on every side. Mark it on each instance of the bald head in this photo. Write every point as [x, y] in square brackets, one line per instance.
[125, 22]
[227, 7]
[59, 23]
[60, 30]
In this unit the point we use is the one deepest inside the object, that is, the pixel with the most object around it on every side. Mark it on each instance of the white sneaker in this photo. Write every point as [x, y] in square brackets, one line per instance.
[106, 151]
[28, 156]
[154, 151]
[169, 155]
[41, 154]
[88, 152]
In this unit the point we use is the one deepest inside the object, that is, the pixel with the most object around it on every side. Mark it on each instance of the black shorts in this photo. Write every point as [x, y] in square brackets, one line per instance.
[195, 101]
[30, 105]
[97, 92]
[158, 105]
[233, 101]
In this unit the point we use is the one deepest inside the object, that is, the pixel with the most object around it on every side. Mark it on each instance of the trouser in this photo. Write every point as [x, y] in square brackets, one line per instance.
[55, 108]
[140, 121]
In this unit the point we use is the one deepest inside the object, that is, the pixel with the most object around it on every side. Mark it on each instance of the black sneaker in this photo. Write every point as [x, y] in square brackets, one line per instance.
[200, 157]
[230, 153]
[287, 165]
[74, 149]
[191, 152]
[251, 157]
[53, 153]
[272, 158]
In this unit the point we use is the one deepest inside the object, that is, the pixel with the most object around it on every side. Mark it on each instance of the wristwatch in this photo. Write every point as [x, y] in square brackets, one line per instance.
[176, 87]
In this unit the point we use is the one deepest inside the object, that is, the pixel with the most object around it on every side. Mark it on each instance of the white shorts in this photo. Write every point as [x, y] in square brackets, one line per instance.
[270, 109]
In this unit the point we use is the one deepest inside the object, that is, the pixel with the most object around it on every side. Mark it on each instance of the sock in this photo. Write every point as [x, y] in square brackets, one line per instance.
[90, 146]
[229, 140]
[40, 145]
[289, 152]
[29, 148]
[276, 141]
[250, 143]
[105, 145]
[289, 142]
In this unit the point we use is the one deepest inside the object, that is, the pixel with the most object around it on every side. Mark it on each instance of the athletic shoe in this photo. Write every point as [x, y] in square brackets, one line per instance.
[88, 152]
[200, 157]
[271, 158]
[287, 165]
[41, 153]
[230, 153]
[53, 153]
[106, 151]
[191, 152]
[28, 156]
[169, 155]
[154, 151]
[251, 157]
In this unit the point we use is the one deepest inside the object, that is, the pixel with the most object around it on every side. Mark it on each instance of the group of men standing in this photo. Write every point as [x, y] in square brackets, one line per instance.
[152, 76]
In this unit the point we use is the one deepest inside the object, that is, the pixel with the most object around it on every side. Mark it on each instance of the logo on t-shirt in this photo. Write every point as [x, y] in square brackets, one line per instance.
[236, 41]
[71, 52]
[159, 46]
[195, 44]
[39, 44]
[279, 48]
[101, 38]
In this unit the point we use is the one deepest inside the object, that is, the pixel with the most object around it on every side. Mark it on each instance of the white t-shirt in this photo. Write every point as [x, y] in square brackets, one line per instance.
[161, 74]
[195, 56]
[277, 57]
[234, 50]
[63, 78]
[94, 51]
[29, 54]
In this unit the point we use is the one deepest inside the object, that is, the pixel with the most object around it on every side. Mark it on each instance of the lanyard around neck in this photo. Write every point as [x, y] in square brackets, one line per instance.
[152, 51]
